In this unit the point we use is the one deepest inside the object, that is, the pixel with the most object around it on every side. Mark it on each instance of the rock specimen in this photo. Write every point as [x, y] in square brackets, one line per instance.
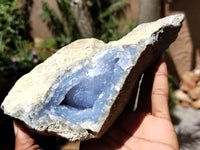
[182, 96]
[189, 80]
[80, 91]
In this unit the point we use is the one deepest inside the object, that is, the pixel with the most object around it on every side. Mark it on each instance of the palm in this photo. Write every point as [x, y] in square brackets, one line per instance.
[155, 133]
[137, 131]
[149, 128]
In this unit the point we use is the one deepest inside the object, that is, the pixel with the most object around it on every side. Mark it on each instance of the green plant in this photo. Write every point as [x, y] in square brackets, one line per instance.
[104, 14]
[12, 31]
[4, 63]
[109, 30]
[49, 44]
[173, 85]
[114, 6]
[107, 22]
[68, 19]
[64, 28]
[172, 101]
[12, 26]
[52, 19]
[27, 55]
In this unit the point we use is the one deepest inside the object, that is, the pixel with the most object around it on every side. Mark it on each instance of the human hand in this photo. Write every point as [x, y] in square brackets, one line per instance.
[23, 139]
[26, 140]
[148, 128]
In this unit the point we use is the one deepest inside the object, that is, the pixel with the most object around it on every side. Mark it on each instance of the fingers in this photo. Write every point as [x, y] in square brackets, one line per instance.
[23, 140]
[160, 92]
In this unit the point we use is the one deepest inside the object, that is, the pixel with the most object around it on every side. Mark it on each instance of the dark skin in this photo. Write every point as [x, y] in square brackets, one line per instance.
[149, 127]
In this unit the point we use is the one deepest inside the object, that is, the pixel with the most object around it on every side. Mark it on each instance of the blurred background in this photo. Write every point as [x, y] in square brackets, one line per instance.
[32, 30]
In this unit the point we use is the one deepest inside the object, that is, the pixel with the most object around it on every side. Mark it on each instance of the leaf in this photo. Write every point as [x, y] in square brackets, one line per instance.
[52, 19]
[114, 8]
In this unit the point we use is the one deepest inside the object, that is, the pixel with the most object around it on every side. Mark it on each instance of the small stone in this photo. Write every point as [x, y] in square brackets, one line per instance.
[187, 86]
[80, 91]
[182, 96]
[188, 81]
[197, 73]
[194, 93]
[196, 104]
[185, 104]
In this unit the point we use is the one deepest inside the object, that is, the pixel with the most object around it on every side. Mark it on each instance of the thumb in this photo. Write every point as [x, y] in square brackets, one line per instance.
[23, 139]
[160, 93]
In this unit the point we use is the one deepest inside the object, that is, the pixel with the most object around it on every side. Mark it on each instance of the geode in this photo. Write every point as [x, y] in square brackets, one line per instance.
[79, 91]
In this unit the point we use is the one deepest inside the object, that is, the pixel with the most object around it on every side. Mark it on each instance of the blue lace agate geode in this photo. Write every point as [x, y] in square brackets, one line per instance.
[80, 91]
[87, 90]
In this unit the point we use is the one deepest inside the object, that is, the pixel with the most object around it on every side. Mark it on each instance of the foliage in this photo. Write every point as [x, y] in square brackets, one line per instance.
[12, 26]
[13, 36]
[115, 6]
[173, 85]
[104, 14]
[52, 19]
[68, 19]
[109, 30]
[4, 63]
[49, 44]
[107, 21]
[172, 101]
[64, 27]
[26, 56]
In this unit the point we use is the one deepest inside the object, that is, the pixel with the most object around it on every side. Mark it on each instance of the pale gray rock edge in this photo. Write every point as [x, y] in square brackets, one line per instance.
[32, 91]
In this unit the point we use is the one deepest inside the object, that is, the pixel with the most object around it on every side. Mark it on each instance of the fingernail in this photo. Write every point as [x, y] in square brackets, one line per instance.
[15, 127]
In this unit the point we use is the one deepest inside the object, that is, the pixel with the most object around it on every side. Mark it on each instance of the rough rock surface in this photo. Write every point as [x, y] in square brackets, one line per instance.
[79, 91]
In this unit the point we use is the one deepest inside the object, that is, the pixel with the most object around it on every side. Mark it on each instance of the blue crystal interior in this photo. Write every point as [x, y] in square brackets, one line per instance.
[83, 94]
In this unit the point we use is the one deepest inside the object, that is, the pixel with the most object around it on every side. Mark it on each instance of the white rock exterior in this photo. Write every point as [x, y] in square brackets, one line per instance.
[32, 93]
